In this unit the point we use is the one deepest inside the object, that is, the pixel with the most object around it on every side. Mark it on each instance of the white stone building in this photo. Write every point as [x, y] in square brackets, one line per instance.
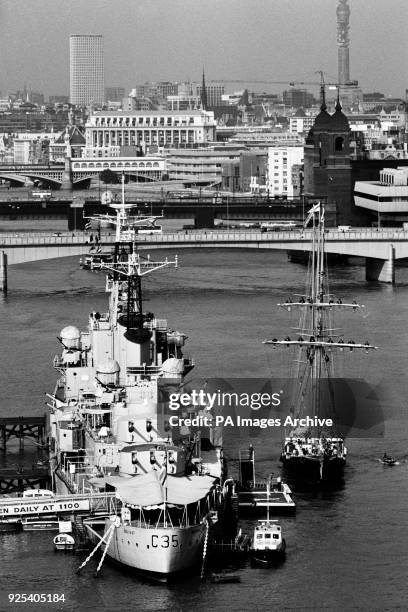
[171, 129]
[279, 169]
[22, 151]
[387, 198]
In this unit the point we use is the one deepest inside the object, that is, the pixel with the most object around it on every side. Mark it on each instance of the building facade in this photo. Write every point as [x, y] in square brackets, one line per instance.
[281, 161]
[214, 93]
[300, 123]
[386, 199]
[114, 94]
[296, 98]
[246, 173]
[150, 129]
[22, 151]
[87, 81]
[200, 166]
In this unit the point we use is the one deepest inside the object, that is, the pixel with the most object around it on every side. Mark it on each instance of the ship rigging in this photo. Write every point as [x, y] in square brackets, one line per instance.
[315, 450]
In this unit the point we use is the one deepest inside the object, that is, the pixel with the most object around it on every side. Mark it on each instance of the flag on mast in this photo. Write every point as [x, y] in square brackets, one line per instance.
[163, 473]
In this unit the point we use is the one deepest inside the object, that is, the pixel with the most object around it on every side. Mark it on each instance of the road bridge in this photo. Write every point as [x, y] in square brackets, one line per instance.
[150, 168]
[380, 248]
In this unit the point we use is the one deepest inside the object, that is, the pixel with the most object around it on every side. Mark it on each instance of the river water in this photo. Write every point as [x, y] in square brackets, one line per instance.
[346, 546]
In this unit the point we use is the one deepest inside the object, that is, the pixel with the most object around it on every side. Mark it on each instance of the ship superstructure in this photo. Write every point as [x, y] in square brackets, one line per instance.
[316, 450]
[110, 424]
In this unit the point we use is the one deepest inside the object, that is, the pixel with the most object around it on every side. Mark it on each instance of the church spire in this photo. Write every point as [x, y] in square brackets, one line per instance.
[338, 105]
[204, 103]
[323, 106]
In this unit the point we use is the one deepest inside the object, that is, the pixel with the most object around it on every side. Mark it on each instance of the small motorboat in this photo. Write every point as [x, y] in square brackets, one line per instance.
[224, 578]
[268, 545]
[389, 460]
[64, 541]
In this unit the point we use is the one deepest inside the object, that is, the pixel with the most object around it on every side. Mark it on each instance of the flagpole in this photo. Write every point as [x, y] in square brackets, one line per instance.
[268, 489]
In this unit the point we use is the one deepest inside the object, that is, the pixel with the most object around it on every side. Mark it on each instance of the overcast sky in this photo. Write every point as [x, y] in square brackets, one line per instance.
[233, 39]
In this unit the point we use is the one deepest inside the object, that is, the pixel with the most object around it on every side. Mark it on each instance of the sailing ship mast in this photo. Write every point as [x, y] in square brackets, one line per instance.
[318, 342]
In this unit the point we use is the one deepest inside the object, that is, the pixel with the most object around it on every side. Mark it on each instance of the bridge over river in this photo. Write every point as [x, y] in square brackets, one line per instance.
[380, 248]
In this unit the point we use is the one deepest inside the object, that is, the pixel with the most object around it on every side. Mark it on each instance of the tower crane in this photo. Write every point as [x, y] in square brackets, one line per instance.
[322, 84]
[291, 83]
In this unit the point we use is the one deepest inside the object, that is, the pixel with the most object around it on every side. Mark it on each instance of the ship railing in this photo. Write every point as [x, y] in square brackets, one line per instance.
[167, 517]
[161, 324]
[143, 370]
[87, 402]
[158, 324]
[262, 484]
[69, 481]
[58, 362]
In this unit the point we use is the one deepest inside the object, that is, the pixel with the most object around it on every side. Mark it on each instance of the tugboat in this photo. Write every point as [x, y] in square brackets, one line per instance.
[312, 449]
[110, 424]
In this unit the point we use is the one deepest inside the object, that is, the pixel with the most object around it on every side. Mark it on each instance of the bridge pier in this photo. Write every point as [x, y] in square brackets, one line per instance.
[3, 272]
[382, 270]
[204, 218]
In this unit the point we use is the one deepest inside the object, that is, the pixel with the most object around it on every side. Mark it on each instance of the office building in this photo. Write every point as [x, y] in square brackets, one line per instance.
[280, 170]
[386, 199]
[114, 94]
[296, 98]
[213, 94]
[148, 129]
[87, 85]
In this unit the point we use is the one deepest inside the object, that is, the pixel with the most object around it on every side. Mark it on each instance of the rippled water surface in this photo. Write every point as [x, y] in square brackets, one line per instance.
[346, 547]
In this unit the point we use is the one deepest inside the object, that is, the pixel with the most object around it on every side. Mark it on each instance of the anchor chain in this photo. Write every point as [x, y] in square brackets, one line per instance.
[107, 536]
[115, 524]
[207, 530]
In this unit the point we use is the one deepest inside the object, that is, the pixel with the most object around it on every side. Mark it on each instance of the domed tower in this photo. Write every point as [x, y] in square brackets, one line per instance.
[328, 166]
[338, 163]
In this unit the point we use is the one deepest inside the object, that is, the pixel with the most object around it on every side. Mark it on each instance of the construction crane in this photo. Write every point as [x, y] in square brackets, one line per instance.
[320, 83]
[288, 82]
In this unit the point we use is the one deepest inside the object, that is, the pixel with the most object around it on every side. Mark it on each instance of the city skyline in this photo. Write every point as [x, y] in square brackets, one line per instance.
[233, 39]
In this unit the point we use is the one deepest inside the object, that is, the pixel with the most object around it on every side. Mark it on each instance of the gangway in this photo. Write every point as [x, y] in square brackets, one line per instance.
[80, 503]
